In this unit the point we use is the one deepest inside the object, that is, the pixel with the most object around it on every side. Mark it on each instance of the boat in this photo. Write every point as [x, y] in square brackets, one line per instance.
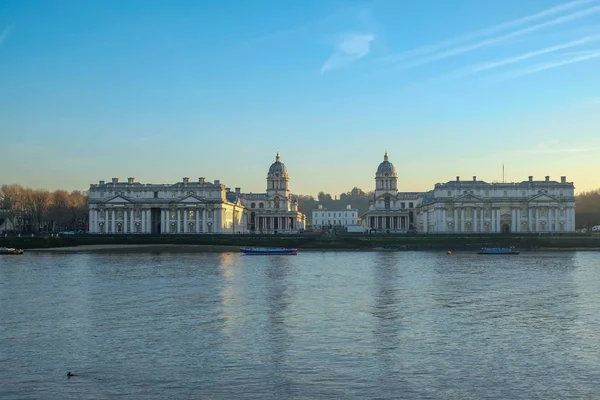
[498, 250]
[10, 251]
[263, 251]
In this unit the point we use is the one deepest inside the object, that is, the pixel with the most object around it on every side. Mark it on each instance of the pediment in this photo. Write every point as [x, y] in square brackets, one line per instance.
[191, 199]
[468, 197]
[118, 199]
[543, 197]
[382, 197]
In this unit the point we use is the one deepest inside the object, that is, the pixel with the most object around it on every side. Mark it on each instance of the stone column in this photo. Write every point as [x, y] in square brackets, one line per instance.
[549, 220]
[113, 223]
[90, 220]
[482, 220]
[537, 219]
[444, 220]
[197, 225]
[178, 220]
[185, 220]
[498, 227]
[455, 221]
[131, 220]
[105, 220]
[513, 218]
[204, 213]
[529, 219]
[125, 221]
[462, 220]
[475, 223]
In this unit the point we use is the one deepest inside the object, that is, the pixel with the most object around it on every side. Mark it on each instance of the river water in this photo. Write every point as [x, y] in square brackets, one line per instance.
[351, 325]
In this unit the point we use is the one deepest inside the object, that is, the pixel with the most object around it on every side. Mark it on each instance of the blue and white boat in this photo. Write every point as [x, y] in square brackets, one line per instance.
[497, 250]
[263, 251]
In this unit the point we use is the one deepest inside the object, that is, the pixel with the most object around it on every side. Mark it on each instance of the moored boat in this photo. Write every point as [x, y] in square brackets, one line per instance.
[10, 251]
[497, 250]
[268, 251]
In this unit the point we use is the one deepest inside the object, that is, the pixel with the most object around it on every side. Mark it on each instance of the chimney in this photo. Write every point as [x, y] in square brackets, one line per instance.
[217, 182]
[101, 182]
[530, 178]
[474, 178]
[238, 190]
[458, 179]
[186, 180]
[563, 179]
[547, 178]
[201, 180]
[228, 190]
[130, 180]
[115, 180]
[348, 207]
[320, 206]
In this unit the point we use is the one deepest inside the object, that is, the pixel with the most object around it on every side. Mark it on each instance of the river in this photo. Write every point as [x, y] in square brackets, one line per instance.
[320, 325]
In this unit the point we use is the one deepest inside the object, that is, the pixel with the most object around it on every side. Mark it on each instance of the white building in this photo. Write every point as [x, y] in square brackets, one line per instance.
[323, 218]
[181, 208]
[479, 207]
[390, 210]
[274, 211]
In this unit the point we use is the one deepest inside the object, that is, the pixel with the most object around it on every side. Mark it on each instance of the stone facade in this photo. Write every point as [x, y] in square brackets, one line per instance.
[181, 208]
[476, 206]
[391, 210]
[274, 211]
[193, 207]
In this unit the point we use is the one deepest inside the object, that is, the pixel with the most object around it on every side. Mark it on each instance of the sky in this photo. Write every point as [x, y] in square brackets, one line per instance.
[159, 90]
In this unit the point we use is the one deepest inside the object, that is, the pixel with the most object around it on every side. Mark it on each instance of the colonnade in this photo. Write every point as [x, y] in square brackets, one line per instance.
[389, 222]
[136, 220]
[479, 219]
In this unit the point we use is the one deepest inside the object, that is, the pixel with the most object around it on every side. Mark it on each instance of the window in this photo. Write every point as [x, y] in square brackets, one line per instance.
[402, 205]
[410, 205]
[276, 202]
[174, 194]
[449, 193]
[253, 205]
[156, 195]
[387, 202]
[261, 205]
[505, 193]
[191, 214]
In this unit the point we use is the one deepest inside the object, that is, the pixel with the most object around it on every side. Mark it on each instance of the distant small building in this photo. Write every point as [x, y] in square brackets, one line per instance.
[323, 218]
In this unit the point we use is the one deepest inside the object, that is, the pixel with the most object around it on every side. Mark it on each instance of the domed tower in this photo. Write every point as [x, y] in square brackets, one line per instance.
[278, 179]
[386, 178]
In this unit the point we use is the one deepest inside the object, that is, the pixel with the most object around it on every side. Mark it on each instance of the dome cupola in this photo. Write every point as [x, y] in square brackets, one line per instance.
[278, 168]
[386, 168]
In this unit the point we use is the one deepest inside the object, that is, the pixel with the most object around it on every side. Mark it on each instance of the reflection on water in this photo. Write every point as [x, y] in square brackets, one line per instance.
[317, 325]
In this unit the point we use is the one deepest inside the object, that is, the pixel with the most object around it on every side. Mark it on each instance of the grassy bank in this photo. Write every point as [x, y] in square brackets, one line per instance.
[324, 242]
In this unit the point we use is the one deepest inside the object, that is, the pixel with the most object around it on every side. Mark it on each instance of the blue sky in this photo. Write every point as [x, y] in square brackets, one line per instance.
[159, 90]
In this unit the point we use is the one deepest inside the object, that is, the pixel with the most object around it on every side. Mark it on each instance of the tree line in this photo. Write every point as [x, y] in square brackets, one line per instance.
[35, 210]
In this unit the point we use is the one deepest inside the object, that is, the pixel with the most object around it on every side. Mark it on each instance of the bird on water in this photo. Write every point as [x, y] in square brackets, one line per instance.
[69, 374]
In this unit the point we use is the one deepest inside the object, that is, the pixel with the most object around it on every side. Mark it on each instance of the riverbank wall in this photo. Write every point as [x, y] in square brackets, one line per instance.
[319, 242]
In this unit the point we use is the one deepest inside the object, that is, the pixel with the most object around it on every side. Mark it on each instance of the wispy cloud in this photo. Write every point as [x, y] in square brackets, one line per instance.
[511, 60]
[498, 39]
[4, 34]
[350, 48]
[488, 31]
[545, 66]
